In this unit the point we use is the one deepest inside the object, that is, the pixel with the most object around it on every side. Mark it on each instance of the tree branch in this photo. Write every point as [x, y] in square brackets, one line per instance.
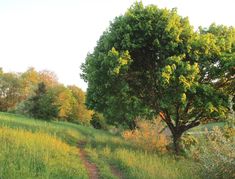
[165, 117]
[188, 105]
[194, 123]
[177, 115]
[222, 84]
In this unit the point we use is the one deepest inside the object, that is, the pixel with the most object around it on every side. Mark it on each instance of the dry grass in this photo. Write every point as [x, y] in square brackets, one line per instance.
[148, 135]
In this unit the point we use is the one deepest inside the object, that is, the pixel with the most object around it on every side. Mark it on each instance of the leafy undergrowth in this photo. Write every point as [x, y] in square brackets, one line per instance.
[148, 135]
[216, 154]
[103, 148]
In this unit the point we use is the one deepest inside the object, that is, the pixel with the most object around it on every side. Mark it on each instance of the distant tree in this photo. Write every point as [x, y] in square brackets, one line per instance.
[80, 112]
[10, 90]
[42, 104]
[39, 94]
[152, 57]
[48, 77]
[29, 80]
[65, 100]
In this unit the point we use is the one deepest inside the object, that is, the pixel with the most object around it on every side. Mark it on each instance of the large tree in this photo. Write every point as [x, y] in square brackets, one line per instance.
[153, 58]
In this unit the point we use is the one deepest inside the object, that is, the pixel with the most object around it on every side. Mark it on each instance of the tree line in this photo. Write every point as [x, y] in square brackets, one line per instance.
[39, 94]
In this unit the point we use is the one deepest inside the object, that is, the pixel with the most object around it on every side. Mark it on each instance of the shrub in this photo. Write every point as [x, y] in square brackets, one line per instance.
[188, 141]
[229, 129]
[115, 130]
[98, 121]
[148, 135]
[229, 132]
[217, 155]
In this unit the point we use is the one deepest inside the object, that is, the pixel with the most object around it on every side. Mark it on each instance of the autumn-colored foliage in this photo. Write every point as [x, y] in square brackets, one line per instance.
[10, 90]
[149, 135]
[18, 93]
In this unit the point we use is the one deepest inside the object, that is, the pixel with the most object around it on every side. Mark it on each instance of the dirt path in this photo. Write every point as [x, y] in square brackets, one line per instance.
[116, 172]
[91, 167]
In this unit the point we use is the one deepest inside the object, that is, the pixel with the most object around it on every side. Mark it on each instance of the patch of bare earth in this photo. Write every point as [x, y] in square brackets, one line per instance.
[91, 167]
[116, 172]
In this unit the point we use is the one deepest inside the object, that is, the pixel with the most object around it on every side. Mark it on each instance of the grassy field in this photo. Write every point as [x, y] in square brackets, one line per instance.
[201, 129]
[37, 149]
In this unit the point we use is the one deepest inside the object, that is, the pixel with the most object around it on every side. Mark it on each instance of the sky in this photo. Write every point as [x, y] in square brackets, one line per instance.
[56, 35]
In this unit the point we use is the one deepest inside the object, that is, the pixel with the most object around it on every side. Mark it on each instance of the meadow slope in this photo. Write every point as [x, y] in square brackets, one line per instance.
[37, 149]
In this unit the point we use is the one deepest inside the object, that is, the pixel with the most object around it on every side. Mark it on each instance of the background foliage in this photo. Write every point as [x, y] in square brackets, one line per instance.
[39, 94]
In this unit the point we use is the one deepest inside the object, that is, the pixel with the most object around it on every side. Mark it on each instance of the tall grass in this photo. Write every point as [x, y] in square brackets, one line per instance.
[103, 148]
[67, 132]
[37, 155]
[139, 164]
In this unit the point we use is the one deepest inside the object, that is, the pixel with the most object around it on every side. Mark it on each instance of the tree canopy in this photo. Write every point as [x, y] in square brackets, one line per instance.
[152, 61]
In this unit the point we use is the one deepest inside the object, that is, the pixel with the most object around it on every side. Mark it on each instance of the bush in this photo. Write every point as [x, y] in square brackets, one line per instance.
[148, 135]
[98, 121]
[229, 129]
[188, 141]
[229, 132]
[21, 108]
[217, 156]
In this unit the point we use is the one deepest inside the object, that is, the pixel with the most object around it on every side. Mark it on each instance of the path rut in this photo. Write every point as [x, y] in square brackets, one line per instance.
[91, 167]
[116, 172]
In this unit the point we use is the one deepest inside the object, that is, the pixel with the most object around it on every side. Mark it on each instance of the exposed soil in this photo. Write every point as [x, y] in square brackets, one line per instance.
[116, 172]
[91, 167]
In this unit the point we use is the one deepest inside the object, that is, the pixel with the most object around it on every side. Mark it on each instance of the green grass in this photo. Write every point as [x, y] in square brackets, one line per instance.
[209, 126]
[202, 128]
[37, 155]
[103, 148]
[37, 149]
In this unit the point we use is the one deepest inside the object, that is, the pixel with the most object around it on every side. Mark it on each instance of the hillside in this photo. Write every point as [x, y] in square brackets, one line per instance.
[37, 149]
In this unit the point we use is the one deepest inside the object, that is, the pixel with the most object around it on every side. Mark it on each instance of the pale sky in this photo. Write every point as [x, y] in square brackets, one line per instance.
[57, 34]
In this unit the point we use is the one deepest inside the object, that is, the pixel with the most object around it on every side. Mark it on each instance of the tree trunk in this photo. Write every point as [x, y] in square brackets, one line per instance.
[176, 140]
